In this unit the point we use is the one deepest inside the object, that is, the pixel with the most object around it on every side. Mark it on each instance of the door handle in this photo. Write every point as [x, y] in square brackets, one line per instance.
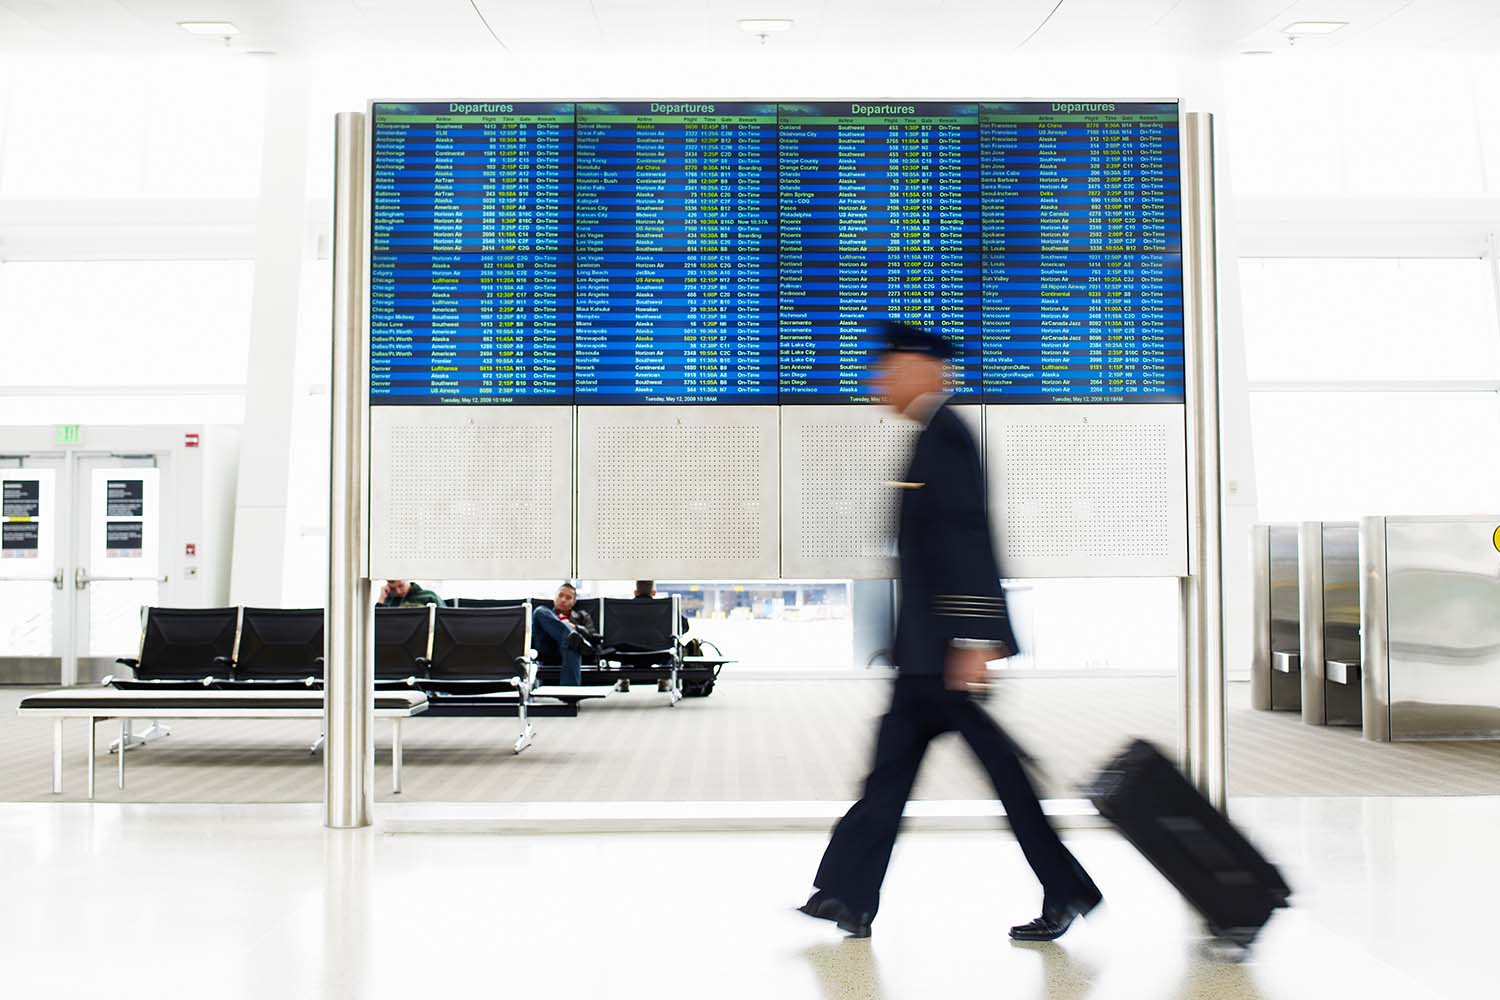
[56, 579]
[81, 578]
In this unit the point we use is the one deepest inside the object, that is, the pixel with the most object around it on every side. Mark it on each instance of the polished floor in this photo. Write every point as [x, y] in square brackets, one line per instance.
[1394, 900]
[753, 740]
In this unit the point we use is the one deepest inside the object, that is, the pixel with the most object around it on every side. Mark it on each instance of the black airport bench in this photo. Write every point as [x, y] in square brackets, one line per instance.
[640, 641]
[466, 661]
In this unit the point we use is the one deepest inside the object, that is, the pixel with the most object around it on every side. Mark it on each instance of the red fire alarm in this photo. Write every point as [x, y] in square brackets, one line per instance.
[191, 549]
[190, 440]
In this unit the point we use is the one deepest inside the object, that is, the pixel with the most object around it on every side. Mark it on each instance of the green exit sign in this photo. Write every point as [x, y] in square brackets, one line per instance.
[67, 434]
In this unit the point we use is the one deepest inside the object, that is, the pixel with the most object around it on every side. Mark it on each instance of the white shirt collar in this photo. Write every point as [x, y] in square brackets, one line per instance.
[924, 406]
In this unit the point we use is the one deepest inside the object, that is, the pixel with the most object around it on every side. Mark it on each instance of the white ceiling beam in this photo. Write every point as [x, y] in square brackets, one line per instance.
[1361, 210]
[1365, 227]
[72, 212]
[138, 228]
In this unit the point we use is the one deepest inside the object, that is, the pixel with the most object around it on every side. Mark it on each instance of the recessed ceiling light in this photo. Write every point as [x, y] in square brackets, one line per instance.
[765, 25]
[218, 29]
[1299, 28]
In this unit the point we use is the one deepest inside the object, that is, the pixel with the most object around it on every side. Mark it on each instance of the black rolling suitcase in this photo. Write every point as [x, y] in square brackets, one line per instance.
[1194, 845]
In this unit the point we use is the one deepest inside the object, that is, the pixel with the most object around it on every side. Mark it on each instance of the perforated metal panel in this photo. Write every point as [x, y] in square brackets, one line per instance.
[677, 491]
[1088, 491]
[838, 506]
[471, 492]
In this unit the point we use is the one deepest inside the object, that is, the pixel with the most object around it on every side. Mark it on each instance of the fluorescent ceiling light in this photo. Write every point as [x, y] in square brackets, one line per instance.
[218, 29]
[1256, 52]
[1299, 28]
[765, 25]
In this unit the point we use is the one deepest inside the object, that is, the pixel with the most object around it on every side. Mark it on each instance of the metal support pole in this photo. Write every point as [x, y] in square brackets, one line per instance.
[1188, 717]
[396, 756]
[57, 755]
[349, 698]
[91, 721]
[1203, 592]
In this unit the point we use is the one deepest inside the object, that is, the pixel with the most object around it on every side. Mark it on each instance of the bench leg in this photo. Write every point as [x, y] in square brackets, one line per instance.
[154, 731]
[131, 739]
[527, 732]
[57, 745]
[124, 739]
[395, 756]
[89, 733]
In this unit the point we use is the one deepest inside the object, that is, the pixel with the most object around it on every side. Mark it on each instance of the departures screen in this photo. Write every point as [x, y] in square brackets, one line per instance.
[718, 252]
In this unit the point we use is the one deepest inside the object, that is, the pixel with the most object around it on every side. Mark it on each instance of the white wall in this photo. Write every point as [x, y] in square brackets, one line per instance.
[1370, 301]
[125, 278]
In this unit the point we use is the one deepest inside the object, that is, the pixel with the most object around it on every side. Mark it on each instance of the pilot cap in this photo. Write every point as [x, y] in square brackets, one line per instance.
[906, 339]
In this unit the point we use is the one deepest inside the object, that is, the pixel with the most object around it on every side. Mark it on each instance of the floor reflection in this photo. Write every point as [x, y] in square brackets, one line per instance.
[1208, 975]
[845, 970]
[348, 858]
[1213, 975]
[1064, 976]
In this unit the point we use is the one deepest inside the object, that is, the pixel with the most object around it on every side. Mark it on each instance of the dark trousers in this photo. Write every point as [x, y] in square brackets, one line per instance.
[922, 708]
[550, 637]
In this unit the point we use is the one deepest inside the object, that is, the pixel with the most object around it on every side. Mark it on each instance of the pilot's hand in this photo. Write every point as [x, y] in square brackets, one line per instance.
[966, 669]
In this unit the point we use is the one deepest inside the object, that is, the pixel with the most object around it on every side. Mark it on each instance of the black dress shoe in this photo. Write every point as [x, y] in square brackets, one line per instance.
[575, 642]
[826, 907]
[1055, 920]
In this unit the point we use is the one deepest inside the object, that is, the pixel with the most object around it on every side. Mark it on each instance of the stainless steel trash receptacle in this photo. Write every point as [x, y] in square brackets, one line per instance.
[1276, 649]
[1430, 627]
[1328, 613]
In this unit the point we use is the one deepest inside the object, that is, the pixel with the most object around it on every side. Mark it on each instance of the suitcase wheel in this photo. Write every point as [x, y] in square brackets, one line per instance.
[1235, 940]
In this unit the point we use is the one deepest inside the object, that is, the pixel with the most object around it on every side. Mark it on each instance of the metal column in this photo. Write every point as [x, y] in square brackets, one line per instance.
[1203, 717]
[349, 702]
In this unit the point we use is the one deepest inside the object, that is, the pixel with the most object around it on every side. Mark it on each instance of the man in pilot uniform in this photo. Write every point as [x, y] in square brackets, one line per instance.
[952, 621]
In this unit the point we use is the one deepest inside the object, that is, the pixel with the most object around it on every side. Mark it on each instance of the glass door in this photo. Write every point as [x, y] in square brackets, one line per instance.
[118, 571]
[33, 599]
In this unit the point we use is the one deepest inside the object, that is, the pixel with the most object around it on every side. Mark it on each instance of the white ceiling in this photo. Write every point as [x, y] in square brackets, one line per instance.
[610, 27]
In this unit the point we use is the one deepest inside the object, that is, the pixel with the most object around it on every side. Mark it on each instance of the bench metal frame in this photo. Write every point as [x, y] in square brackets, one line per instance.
[144, 708]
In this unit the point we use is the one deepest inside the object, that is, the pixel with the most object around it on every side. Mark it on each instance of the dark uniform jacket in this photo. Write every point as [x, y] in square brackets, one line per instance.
[950, 580]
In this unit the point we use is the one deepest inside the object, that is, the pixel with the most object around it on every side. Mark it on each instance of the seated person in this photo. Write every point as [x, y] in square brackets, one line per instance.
[645, 590]
[406, 594]
[561, 632]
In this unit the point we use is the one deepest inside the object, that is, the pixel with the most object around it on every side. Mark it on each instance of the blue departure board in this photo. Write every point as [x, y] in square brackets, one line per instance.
[880, 218]
[676, 266]
[734, 252]
[1082, 285]
[471, 239]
